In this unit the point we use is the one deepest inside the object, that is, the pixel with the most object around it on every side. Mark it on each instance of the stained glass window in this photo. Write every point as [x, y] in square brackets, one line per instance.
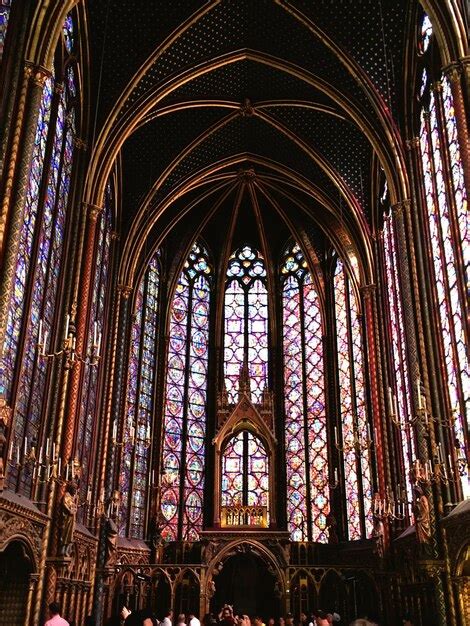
[38, 267]
[182, 483]
[246, 322]
[89, 391]
[426, 34]
[446, 248]
[134, 475]
[305, 421]
[5, 8]
[400, 394]
[245, 471]
[357, 471]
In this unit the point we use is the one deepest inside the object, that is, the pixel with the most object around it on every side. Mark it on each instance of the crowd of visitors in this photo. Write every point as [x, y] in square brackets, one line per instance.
[226, 617]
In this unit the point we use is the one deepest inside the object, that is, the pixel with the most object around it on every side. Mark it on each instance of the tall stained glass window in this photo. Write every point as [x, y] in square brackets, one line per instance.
[182, 483]
[39, 259]
[305, 421]
[449, 236]
[245, 471]
[246, 322]
[134, 475]
[5, 8]
[357, 471]
[89, 397]
[400, 391]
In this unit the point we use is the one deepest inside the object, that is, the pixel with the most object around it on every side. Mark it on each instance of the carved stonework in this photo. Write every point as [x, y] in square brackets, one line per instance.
[17, 526]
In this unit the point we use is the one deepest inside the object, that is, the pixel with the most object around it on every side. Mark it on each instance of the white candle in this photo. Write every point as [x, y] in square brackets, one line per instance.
[390, 401]
[41, 450]
[67, 324]
[148, 432]
[10, 454]
[88, 494]
[368, 432]
[47, 447]
[95, 334]
[40, 333]
[18, 455]
[420, 400]
[114, 430]
[66, 472]
[336, 436]
[336, 475]
[450, 465]
[59, 467]
[98, 345]
[53, 450]
[25, 446]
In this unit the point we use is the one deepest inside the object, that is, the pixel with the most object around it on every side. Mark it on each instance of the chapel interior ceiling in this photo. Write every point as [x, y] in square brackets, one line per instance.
[195, 93]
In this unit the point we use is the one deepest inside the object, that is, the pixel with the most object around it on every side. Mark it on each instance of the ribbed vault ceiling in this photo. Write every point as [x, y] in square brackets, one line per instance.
[201, 91]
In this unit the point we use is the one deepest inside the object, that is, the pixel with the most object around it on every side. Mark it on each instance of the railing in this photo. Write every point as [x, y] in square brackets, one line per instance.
[238, 515]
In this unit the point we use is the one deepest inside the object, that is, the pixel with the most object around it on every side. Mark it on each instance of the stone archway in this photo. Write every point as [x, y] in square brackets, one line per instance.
[15, 570]
[247, 575]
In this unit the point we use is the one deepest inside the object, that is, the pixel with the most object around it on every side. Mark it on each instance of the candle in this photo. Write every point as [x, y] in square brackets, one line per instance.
[10, 454]
[98, 345]
[114, 430]
[44, 341]
[390, 401]
[67, 323]
[132, 433]
[40, 333]
[88, 494]
[368, 432]
[95, 334]
[53, 450]
[59, 467]
[336, 475]
[67, 472]
[41, 450]
[336, 436]
[148, 432]
[18, 455]
[420, 399]
[450, 465]
[25, 446]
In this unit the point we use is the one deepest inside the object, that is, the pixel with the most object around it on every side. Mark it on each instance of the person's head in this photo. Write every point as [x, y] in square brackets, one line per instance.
[226, 612]
[258, 621]
[271, 621]
[289, 619]
[125, 612]
[407, 621]
[181, 618]
[320, 618]
[169, 613]
[54, 608]
[303, 617]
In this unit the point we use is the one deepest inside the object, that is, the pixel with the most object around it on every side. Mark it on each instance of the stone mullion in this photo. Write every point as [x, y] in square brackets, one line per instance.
[111, 464]
[30, 101]
[83, 274]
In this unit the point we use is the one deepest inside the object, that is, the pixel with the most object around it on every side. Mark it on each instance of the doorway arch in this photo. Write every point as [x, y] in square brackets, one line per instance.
[15, 570]
[246, 582]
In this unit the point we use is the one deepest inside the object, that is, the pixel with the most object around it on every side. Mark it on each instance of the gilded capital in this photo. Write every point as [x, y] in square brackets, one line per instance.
[37, 74]
[413, 143]
[125, 291]
[399, 207]
[93, 211]
[367, 290]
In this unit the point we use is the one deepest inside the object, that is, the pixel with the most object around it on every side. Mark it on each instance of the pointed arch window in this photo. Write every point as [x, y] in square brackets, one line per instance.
[134, 475]
[357, 471]
[305, 420]
[38, 265]
[448, 235]
[246, 322]
[184, 432]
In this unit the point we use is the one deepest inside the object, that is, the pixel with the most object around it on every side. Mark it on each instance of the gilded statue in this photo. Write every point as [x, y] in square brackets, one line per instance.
[67, 515]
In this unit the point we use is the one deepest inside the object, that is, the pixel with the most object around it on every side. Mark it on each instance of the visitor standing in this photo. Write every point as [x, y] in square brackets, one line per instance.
[56, 619]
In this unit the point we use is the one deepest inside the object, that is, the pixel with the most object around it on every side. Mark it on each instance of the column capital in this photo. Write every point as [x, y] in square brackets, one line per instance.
[37, 74]
[399, 207]
[453, 71]
[368, 290]
[93, 211]
[80, 143]
[437, 86]
[125, 291]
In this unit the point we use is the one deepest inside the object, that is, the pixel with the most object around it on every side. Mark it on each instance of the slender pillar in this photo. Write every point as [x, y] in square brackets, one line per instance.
[84, 277]
[118, 394]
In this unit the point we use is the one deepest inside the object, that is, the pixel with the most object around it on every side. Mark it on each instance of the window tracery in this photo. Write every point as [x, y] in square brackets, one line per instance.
[305, 421]
[183, 454]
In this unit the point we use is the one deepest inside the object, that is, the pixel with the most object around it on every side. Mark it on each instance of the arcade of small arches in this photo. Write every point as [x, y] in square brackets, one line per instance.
[234, 361]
